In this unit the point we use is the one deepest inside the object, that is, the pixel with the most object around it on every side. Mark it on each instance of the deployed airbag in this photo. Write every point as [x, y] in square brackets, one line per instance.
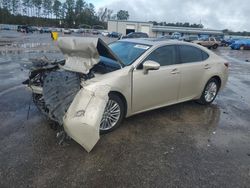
[83, 118]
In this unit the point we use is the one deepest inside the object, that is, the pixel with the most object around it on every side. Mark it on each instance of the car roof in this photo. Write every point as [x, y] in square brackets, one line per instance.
[154, 41]
[137, 33]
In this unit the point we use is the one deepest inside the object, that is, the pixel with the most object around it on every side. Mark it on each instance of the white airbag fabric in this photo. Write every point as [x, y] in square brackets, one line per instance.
[83, 118]
[80, 53]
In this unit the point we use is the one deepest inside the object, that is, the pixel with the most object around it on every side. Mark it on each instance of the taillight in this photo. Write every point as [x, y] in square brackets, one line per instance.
[226, 64]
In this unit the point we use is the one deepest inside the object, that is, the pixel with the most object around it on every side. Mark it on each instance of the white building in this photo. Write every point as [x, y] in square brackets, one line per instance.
[126, 27]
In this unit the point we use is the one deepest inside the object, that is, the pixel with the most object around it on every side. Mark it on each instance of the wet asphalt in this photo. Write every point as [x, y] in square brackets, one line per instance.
[184, 145]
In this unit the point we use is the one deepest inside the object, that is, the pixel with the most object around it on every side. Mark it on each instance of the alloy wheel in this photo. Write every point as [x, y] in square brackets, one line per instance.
[111, 115]
[211, 91]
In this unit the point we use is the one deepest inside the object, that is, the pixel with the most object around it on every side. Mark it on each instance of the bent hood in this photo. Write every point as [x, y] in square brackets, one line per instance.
[81, 54]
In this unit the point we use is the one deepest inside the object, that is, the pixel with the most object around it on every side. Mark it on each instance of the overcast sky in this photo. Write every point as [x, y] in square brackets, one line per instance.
[215, 14]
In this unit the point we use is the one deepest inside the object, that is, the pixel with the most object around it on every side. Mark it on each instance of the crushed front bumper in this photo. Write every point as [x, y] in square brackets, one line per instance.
[83, 118]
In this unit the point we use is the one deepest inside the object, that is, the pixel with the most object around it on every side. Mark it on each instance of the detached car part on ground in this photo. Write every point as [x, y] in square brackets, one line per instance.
[96, 86]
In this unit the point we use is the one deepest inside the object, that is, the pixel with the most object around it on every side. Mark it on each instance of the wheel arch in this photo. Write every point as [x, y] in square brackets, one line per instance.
[119, 94]
[217, 78]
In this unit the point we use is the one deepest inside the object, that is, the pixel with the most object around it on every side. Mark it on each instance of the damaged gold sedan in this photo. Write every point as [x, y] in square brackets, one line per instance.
[96, 86]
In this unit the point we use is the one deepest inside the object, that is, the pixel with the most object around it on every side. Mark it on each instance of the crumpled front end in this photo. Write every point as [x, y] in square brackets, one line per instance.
[83, 118]
[58, 91]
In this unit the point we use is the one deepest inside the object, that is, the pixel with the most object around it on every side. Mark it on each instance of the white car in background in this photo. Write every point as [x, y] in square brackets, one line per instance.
[66, 31]
[105, 33]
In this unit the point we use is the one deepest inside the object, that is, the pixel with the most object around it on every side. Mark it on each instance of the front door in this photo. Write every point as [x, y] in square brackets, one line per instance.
[158, 87]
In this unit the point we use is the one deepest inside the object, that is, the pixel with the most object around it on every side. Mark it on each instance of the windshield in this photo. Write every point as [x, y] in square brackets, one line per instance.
[128, 52]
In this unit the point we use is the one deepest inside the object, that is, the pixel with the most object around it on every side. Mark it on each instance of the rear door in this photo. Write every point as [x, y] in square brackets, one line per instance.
[158, 87]
[192, 69]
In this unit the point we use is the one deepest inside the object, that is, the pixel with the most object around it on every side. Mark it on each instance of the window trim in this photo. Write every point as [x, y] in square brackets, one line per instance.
[139, 66]
[179, 54]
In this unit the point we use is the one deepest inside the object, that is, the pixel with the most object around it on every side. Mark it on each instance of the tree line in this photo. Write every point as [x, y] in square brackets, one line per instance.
[71, 13]
[238, 33]
[178, 24]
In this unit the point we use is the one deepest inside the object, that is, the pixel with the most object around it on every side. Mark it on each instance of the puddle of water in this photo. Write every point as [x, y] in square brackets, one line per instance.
[14, 66]
[29, 45]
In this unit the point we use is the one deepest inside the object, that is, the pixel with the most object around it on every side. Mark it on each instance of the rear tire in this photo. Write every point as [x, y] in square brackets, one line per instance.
[215, 46]
[113, 114]
[242, 47]
[210, 92]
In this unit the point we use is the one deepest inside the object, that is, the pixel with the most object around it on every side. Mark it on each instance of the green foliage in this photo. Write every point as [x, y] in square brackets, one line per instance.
[57, 6]
[238, 33]
[79, 7]
[14, 6]
[178, 24]
[71, 13]
[38, 5]
[122, 15]
[47, 8]
[7, 17]
[104, 14]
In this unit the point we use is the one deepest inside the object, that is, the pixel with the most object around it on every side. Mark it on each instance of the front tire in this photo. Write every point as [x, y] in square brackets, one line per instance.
[210, 92]
[113, 114]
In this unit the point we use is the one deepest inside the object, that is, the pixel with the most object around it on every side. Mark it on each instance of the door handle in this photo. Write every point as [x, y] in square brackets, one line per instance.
[174, 71]
[207, 66]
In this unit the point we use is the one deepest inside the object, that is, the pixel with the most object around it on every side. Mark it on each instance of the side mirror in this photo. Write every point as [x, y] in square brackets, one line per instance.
[150, 65]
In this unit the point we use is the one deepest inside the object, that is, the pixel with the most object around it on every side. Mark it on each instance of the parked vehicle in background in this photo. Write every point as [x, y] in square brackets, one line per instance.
[176, 35]
[95, 32]
[5, 28]
[81, 30]
[114, 35]
[105, 33]
[190, 38]
[136, 35]
[66, 31]
[59, 29]
[209, 42]
[241, 44]
[19, 28]
[45, 30]
[25, 29]
[74, 30]
[164, 37]
[228, 42]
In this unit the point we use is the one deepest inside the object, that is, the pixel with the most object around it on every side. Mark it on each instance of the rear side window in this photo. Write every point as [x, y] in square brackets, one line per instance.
[190, 54]
[165, 55]
[204, 55]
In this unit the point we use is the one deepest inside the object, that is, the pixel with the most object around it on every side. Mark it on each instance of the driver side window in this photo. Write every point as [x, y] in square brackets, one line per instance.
[165, 55]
